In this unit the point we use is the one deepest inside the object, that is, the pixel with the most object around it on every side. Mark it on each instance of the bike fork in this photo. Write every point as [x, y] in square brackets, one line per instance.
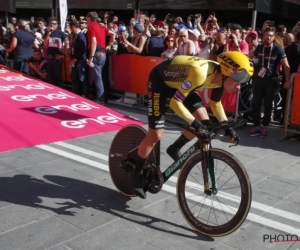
[208, 169]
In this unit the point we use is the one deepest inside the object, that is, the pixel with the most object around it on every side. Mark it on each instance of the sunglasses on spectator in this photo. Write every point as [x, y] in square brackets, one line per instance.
[170, 40]
[53, 23]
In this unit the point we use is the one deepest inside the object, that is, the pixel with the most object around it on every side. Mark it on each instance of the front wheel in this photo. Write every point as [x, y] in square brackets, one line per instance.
[220, 214]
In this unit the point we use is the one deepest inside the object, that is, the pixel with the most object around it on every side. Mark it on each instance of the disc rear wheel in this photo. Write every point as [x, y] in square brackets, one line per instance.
[126, 140]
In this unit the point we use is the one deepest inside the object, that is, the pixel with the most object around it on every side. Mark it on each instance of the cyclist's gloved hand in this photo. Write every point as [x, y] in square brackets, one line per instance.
[231, 135]
[206, 123]
[201, 130]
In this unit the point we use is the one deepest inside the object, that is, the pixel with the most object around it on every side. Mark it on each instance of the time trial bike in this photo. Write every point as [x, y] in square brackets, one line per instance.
[211, 205]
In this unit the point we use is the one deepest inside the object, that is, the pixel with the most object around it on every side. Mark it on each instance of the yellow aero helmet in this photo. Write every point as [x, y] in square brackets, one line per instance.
[236, 65]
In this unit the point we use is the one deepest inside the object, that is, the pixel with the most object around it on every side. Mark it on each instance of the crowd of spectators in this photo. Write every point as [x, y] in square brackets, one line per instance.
[39, 47]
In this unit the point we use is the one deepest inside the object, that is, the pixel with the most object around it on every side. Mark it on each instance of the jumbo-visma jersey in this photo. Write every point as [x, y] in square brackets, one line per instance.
[186, 74]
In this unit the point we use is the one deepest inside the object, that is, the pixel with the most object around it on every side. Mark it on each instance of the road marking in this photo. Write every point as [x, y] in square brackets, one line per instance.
[252, 217]
[74, 157]
[232, 210]
[82, 150]
[224, 195]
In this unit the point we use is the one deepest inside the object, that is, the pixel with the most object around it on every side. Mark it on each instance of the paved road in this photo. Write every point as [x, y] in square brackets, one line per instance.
[60, 197]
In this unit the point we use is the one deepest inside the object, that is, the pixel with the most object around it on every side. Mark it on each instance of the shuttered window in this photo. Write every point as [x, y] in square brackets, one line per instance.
[34, 4]
[101, 4]
[8, 6]
[77, 4]
[199, 4]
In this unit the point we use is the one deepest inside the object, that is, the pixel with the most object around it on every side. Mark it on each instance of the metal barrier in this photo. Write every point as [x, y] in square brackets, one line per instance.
[129, 74]
[292, 111]
[236, 114]
[126, 98]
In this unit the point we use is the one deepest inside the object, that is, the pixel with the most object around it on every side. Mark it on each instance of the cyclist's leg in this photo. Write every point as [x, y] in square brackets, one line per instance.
[194, 104]
[156, 111]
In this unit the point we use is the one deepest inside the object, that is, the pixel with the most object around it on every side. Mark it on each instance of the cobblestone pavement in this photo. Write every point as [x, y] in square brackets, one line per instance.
[60, 197]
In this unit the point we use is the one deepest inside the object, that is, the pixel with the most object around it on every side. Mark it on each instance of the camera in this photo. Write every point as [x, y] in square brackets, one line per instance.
[171, 18]
[29, 60]
[271, 22]
[231, 36]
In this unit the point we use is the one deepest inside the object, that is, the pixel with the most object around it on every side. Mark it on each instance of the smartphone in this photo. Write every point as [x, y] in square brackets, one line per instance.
[213, 14]
[271, 22]
[253, 37]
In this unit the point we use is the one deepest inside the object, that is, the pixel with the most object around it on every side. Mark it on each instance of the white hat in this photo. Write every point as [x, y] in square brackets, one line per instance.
[195, 32]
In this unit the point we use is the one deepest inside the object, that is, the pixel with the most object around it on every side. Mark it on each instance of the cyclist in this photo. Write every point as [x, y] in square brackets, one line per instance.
[179, 78]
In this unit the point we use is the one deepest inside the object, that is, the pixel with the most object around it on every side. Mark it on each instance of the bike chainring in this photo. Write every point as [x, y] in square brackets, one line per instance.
[154, 179]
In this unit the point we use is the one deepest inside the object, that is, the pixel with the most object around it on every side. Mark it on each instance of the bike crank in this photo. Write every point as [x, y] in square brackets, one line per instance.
[153, 178]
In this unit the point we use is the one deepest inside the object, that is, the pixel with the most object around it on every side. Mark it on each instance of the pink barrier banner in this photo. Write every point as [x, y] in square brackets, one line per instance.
[129, 73]
[34, 112]
[229, 100]
[295, 114]
[120, 72]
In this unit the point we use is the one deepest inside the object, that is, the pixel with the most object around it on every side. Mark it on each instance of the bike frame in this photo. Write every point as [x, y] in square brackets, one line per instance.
[172, 169]
[178, 164]
[208, 169]
[198, 145]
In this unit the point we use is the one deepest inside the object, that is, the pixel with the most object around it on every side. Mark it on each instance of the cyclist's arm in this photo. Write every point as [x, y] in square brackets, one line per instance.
[196, 78]
[216, 105]
[178, 107]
